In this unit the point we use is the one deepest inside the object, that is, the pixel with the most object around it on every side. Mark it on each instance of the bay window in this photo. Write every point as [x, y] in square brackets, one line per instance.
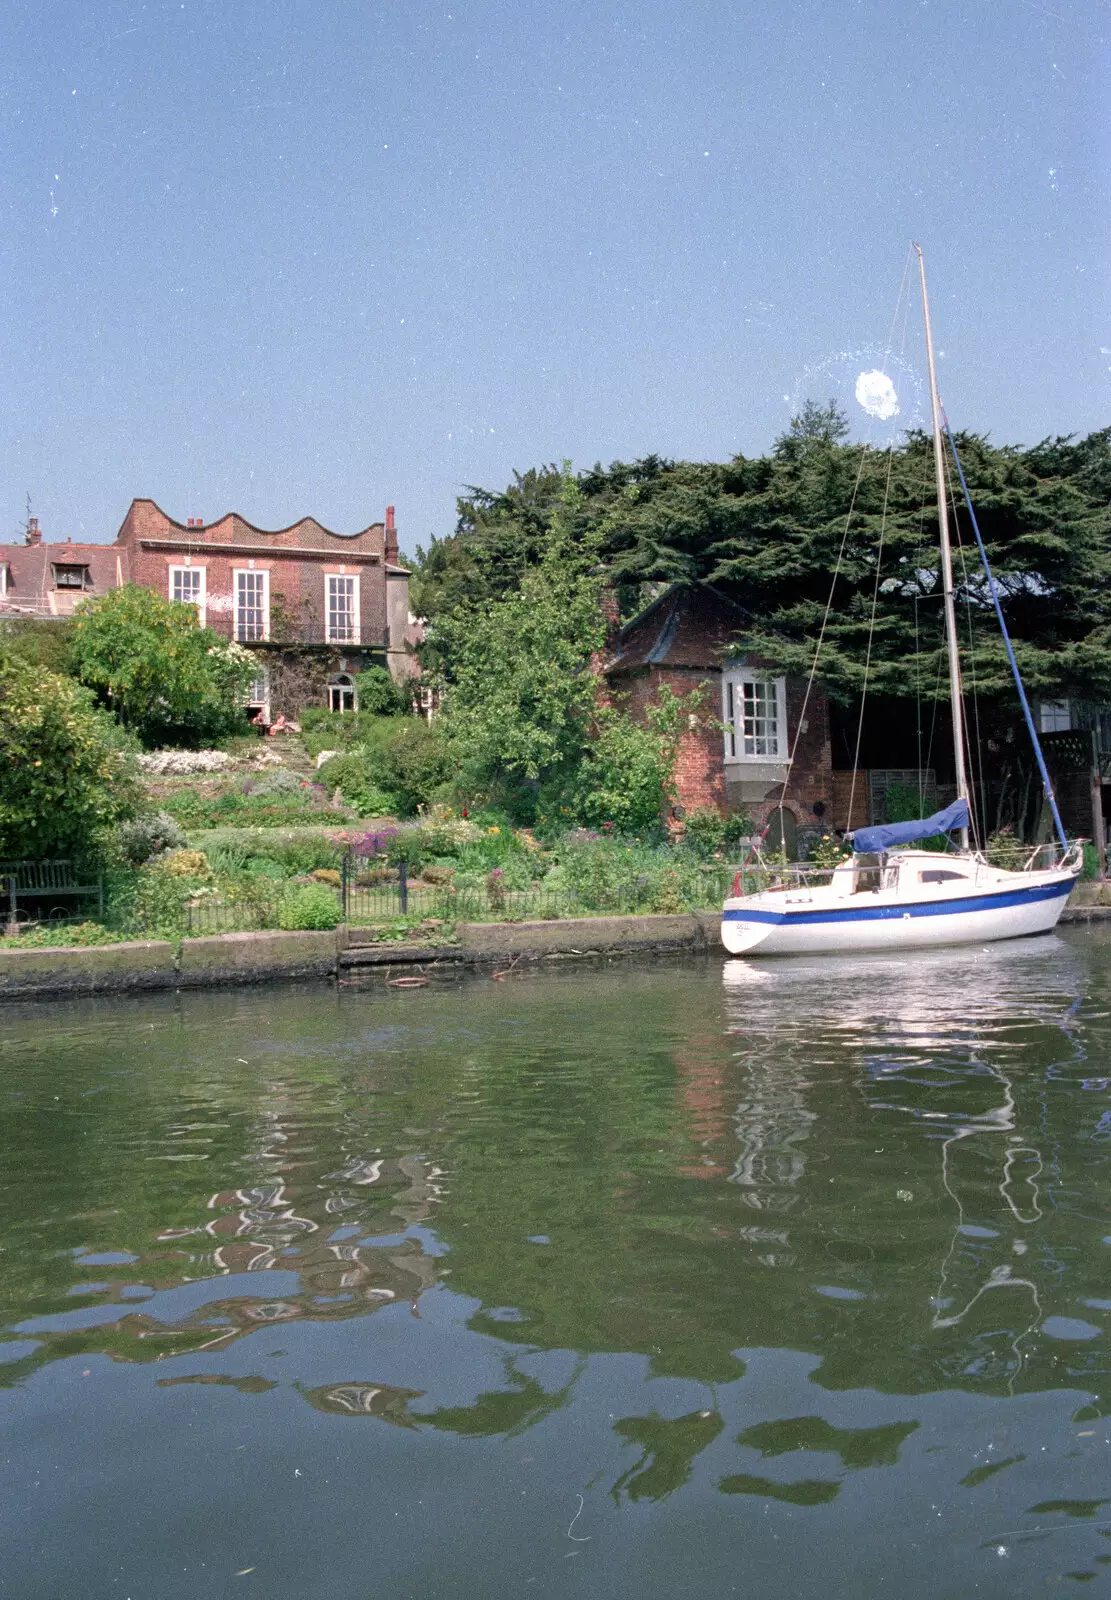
[754, 710]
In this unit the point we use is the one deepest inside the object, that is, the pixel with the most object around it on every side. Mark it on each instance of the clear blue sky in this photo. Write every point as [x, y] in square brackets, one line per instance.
[284, 257]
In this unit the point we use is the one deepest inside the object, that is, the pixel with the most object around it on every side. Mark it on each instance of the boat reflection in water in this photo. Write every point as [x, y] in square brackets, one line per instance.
[962, 1048]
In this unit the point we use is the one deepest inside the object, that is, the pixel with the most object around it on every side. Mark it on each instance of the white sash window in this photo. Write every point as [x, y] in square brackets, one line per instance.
[343, 608]
[187, 585]
[252, 606]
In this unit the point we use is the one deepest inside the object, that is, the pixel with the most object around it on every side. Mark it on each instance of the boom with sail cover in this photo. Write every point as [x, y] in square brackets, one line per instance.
[887, 835]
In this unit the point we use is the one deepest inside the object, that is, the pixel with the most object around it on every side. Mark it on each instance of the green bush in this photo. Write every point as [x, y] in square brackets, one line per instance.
[346, 730]
[145, 837]
[278, 782]
[379, 695]
[197, 810]
[80, 934]
[64, 777]
[412, 763]
[399, 767]
[162, 897]
[275, 856]
[351, 774]
[308, 906]
[705, 831]
[39, 642]
[738, 825]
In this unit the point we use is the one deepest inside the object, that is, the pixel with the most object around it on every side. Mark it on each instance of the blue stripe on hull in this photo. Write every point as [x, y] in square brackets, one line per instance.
[920, 908]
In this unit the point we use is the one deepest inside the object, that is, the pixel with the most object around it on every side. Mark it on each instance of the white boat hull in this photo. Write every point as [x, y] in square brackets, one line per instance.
[1007, 905]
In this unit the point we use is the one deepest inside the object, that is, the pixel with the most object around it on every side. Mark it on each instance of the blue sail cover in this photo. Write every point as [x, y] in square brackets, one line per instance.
[870, 841]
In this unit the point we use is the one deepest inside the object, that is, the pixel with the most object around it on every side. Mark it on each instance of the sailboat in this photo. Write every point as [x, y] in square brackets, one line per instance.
[886, 896]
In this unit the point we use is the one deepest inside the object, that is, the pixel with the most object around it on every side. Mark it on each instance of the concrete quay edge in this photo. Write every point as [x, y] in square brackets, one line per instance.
[242, 958]
[87, 969]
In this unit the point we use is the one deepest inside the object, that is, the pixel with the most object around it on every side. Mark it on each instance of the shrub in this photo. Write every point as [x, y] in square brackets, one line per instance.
[439, 877]
[352, 775]
[40, 642]
[161, 899]
[278, 782]
[80, 934]
[63, 774]
[145, 837]
[447, 836]
[308, 906]
[626, 778]
[186, 864]
[828, 851]
[327, 875]
[412, 763]
[379, 695]
[705, 831]
[738, 825]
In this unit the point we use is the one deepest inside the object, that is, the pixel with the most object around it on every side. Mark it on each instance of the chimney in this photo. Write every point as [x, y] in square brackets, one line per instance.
[194, 522]
[34, 533]
[611, 611]
[391, 536]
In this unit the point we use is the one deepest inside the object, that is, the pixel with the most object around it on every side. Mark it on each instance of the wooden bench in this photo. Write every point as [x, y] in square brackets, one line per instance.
[22, 881]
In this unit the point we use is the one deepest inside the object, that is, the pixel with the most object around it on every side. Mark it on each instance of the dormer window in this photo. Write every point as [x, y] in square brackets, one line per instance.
[70, 576]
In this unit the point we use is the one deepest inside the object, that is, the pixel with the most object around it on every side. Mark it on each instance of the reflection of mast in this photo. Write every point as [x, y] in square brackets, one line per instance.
[999, 1120]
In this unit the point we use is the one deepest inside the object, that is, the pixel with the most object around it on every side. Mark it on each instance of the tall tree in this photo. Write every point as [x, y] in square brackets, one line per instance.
[162, 675]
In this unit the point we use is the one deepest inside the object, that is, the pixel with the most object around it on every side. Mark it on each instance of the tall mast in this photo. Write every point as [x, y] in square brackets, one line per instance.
[946, 560]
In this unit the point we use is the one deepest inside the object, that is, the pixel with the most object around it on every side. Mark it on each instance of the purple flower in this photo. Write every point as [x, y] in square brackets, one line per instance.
[375, 843]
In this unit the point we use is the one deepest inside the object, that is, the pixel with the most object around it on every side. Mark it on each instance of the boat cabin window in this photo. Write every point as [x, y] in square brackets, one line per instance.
[940, 875]
[869, 873]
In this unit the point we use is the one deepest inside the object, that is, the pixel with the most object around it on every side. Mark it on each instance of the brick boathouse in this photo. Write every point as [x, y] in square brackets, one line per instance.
[734, 755]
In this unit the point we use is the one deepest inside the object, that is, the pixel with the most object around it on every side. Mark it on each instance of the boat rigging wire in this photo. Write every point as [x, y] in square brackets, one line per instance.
[994, 590]
[975, 756]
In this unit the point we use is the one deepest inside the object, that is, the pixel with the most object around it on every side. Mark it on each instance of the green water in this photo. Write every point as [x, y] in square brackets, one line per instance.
[771, 1280]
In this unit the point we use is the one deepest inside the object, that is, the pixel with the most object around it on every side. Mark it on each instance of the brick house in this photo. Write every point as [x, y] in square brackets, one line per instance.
[315, 606]
[734, 755]
[47, 580]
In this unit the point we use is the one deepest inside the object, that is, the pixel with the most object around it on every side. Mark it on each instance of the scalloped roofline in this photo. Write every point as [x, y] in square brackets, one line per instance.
[266, 533]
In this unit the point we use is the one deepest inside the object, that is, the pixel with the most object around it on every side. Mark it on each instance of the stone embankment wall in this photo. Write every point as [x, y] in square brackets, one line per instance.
[234, 958]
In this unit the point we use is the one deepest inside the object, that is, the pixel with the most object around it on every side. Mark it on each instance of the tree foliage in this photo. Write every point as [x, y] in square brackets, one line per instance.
[164, 677]
[66, 772]
[819, 522]
[518, 690]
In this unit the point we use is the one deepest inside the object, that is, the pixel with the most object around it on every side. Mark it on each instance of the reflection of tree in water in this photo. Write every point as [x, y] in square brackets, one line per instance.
[856, 1448]
[668, 1448]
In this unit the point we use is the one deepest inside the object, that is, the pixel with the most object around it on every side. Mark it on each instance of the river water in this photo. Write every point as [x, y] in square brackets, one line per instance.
[764, 1279]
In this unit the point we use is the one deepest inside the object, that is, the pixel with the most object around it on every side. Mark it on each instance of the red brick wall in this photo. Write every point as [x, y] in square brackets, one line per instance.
[699, 769]
[700, 763]
[297, 582]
